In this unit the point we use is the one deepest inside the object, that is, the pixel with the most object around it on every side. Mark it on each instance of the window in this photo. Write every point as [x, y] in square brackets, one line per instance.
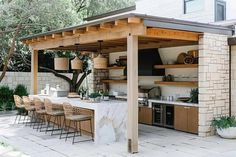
[193, 5]
[220, 10]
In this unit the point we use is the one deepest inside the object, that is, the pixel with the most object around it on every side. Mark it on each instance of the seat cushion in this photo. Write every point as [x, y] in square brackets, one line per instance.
[56, 113]
[79, 117]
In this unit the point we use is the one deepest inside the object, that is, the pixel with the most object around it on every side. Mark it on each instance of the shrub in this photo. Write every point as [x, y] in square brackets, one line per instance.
[6, 98]
[21, 90]
[224, 122]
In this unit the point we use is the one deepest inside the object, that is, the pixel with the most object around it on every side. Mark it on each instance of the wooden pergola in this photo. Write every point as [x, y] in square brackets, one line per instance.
[129, 32]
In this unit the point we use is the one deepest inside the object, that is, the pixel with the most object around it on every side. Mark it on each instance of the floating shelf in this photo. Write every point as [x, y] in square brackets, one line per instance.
[178, 83]
[116, 67]
[176, 66]
[114, 81]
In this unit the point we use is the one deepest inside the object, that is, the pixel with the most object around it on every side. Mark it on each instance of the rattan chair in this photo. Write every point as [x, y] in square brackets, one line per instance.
[20, 108]
[29, 106]
[40, 113]
[56, 111]
[72, 116]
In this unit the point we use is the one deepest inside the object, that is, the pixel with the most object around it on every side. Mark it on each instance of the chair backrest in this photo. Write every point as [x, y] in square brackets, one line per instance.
[48, 105]
[18, 100]
[39, 105]
[27, 102]
[68, 109]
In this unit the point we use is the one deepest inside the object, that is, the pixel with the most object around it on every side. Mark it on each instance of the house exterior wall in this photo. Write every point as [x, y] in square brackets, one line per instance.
[175, 9]
[213, 80]
[233, 80]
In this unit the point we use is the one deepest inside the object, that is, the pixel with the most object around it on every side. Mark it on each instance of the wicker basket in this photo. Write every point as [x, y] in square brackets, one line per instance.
[100, 62]
[77, 64]
[61, 63]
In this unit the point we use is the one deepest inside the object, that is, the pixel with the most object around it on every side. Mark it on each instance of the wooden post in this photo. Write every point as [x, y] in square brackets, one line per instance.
[132, 72]
[34, 72]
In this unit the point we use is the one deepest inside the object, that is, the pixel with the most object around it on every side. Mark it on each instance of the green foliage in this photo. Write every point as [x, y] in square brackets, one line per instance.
[194, 95]
[21, 90]
[6, 98]
[224, 122]
[94, 95]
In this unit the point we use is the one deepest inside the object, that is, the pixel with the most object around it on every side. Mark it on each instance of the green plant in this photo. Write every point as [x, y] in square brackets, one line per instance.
[94, 95]
[21, 90]
[62, 54]
[224, 122]
[194, 95]
[6, 98]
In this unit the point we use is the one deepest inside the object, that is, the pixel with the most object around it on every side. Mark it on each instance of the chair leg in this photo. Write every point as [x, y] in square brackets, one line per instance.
[54, 123]
[63, 127]
[48, 121]
[80, 131]
[68, 131]
[75, 125]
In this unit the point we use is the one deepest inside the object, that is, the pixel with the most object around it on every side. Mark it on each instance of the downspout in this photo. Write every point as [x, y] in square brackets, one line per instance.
[230, 81]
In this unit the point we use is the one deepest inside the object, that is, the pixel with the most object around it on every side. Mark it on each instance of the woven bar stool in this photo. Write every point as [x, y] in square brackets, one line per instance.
[76, 118]
[20, 108]
[29, 106]
[40, 113]
[56, 111]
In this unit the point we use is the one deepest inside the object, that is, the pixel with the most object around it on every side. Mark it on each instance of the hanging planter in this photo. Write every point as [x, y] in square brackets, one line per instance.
[76, 64]
[100, 62]
[61, 63]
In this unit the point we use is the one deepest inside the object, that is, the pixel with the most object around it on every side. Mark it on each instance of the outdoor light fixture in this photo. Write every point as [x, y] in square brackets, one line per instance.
[100, 62]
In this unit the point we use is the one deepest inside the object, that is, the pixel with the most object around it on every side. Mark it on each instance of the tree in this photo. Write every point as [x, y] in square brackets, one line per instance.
[23, 17]
[20, 18]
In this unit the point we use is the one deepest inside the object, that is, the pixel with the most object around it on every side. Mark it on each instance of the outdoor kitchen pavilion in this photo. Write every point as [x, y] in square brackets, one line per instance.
[131, 32]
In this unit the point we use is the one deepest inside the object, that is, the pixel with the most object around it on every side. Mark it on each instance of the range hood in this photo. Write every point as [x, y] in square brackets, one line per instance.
[147, 58]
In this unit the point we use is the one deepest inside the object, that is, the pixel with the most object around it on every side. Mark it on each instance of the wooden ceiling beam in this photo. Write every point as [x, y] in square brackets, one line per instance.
[55, 36]
[122, 22]
[172, 34]
[107, 25]
[91, 29]
[134, 20]
[69, 33]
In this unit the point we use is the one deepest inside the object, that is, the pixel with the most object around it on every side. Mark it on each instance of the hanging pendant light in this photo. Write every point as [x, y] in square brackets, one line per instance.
[100, 62]
[76, 64]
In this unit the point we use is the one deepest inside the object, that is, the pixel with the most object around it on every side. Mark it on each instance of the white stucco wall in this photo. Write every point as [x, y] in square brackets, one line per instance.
[175, 9]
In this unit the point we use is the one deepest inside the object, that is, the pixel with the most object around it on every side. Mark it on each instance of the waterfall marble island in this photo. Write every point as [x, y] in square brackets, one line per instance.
[110, 117]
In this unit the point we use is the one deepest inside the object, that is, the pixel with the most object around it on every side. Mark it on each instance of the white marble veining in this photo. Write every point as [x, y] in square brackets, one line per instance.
[150, 101]
[110, 117]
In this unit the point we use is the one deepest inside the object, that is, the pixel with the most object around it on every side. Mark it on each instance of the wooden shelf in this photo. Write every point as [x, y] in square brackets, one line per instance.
[178, 83]
[176, 66]
[114, 81]
[116, 67]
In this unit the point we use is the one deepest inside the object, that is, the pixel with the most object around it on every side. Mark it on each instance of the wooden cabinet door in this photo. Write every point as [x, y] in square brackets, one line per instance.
[181, 116]
[193, 120]
[145, 115]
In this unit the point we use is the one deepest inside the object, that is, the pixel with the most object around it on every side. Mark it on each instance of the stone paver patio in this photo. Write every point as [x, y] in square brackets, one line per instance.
[153, 142]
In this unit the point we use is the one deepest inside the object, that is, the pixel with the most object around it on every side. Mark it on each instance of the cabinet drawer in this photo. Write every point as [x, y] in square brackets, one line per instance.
[145, 115]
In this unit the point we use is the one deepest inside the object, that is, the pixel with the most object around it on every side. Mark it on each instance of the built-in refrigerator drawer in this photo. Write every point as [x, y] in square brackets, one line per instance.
[163, 115]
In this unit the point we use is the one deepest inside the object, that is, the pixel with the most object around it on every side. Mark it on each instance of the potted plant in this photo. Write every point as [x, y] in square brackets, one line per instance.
[61, 60]
[225, 126]
[105, 96]
[194, 96]
[95, 97]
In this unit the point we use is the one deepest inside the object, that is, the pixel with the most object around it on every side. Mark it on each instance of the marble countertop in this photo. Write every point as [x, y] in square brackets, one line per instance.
[171, 103]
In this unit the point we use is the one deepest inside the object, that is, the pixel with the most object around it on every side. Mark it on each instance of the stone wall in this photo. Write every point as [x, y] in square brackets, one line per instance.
[13, 78]
[233, 80]
[213, 80]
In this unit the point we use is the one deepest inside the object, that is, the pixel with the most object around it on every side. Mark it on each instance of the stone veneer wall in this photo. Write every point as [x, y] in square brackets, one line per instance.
[233, 80]
[213, 80]
[13, 78]
[94, 79]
